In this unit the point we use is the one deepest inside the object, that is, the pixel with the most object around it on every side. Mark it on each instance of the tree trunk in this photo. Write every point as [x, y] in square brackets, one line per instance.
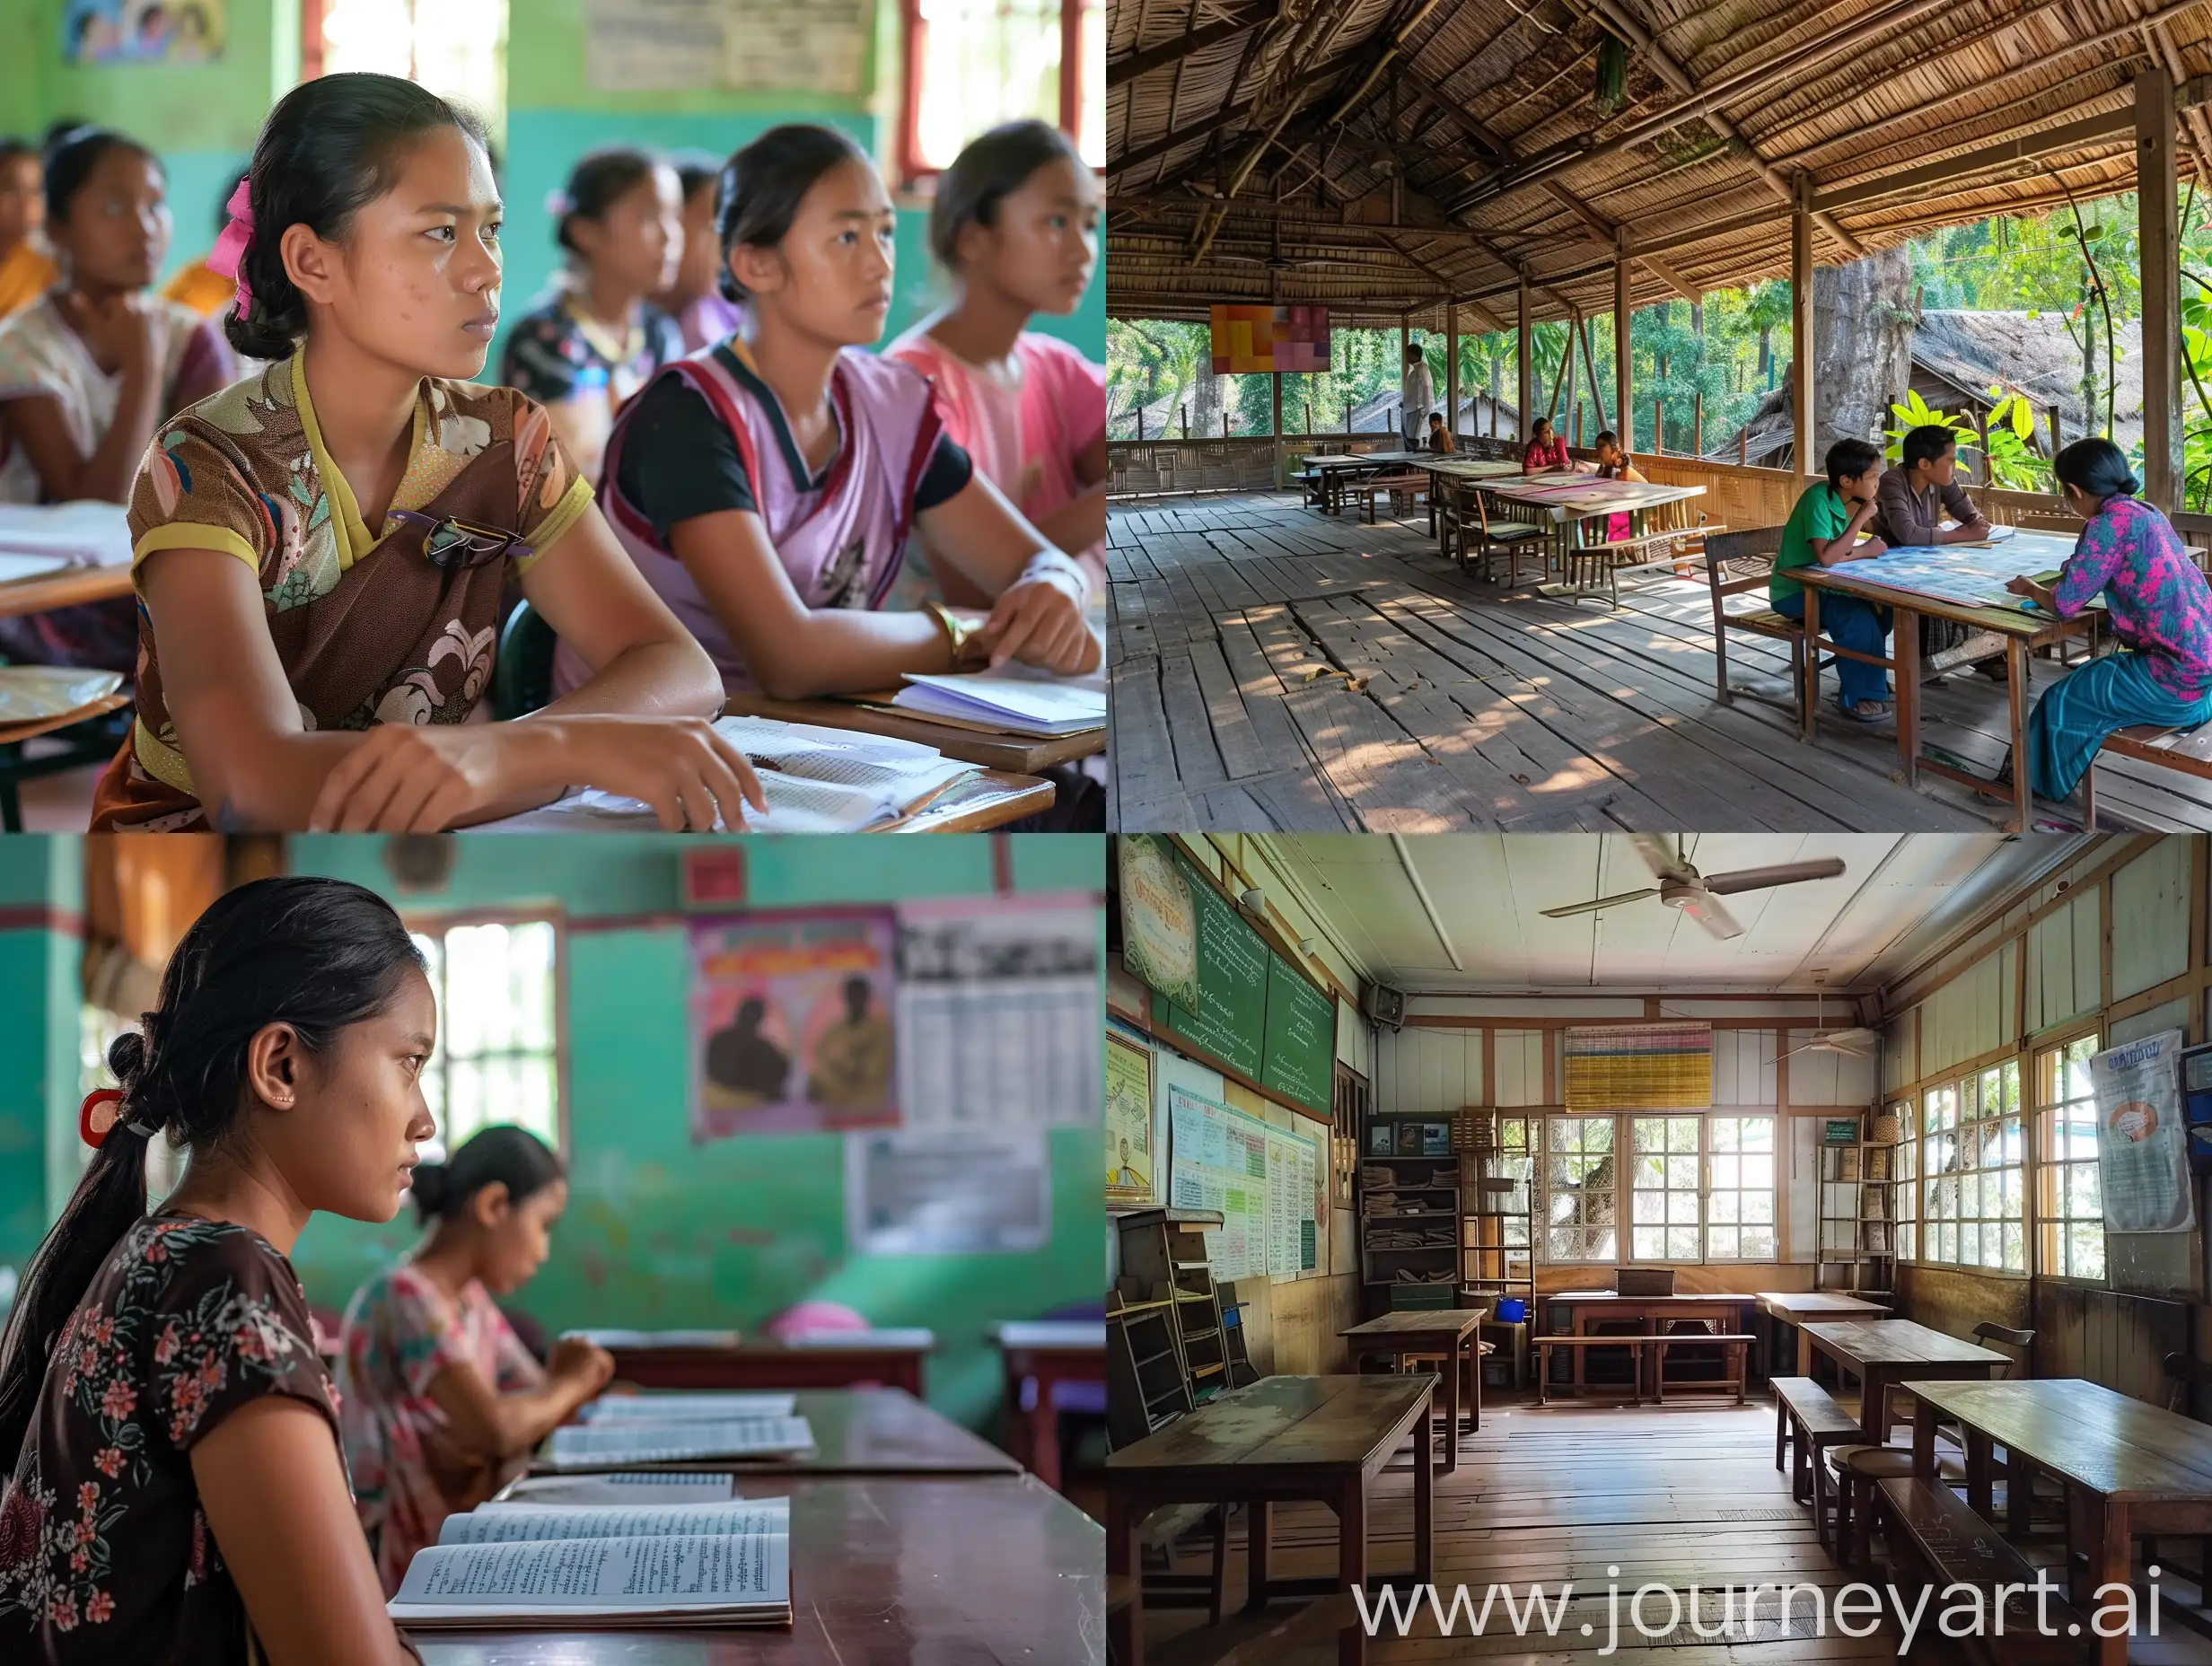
[1863, 318]
[1205, 391]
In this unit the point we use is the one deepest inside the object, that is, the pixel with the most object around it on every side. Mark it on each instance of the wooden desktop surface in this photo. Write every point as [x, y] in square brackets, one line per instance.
[977, 1570]
[69, 589]
[1023, 755]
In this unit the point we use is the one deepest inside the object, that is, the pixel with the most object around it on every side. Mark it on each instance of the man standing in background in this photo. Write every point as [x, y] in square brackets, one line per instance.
[1419, 398]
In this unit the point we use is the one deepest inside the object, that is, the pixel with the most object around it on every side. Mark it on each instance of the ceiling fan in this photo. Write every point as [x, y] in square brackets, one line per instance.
[1856, 1042]
[1681, 886]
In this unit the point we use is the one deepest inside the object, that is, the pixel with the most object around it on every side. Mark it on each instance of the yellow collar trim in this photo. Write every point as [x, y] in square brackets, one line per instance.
[354, 538]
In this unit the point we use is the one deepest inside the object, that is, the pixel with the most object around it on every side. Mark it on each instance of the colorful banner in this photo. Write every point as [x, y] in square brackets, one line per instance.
[1639, 1067]
[1249, 339]
[791, 1021]
[2142, 1144]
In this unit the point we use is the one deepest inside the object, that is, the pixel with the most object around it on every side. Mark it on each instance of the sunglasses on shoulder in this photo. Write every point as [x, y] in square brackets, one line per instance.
[452, 545]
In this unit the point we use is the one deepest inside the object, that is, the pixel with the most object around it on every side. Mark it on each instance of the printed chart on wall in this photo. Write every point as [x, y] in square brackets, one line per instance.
[1260, 1177]
[819, 45]
[1129, 1121]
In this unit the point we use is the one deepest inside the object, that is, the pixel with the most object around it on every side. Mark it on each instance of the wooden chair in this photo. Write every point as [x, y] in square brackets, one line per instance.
[1400, 488]
[1736, 563]
[1496, 534]
[2182, 1374]
[1669, 528]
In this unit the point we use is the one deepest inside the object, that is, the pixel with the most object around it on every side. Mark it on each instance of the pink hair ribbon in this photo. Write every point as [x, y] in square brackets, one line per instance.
[228, 259]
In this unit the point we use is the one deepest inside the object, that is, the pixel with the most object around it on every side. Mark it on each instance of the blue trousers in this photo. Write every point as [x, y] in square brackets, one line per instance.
[1849, 623]
[2073, 717]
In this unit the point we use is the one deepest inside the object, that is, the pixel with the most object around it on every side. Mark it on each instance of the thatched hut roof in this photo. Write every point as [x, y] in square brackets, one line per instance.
[1384, 156]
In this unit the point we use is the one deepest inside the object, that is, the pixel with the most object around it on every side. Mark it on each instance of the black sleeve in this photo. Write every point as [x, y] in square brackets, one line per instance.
[947, 476]
[678, 460]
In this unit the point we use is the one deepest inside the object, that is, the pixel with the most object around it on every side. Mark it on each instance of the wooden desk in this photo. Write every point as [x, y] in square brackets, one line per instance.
[70, 589]
[1885, 1352]
[1047, 1351]
[764, 1362]
[1013, 754]
[1723, 1308]
[2128, 1467]
[881, 1571]
[985, 800]
[2022, 633]
[1432, 1331]
[1279, 1438]
[1578, 496]
[862, 1432]
[1335, 467]
[1799, 1308]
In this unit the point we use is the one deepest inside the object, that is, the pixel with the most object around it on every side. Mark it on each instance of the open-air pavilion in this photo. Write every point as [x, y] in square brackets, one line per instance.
[1443, 166]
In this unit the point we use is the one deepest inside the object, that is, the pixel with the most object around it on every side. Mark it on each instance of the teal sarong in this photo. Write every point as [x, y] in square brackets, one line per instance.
[2071, 720]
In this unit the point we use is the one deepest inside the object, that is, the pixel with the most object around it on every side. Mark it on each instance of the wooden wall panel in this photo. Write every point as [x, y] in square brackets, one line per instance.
[1953, 1300]
[1744, 1067]
[1290, 1329]
[2150, 918]
[2118, 1340]
[1521, 1066]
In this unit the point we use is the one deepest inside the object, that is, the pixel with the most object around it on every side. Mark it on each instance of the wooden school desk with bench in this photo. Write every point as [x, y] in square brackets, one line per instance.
[827, 1359]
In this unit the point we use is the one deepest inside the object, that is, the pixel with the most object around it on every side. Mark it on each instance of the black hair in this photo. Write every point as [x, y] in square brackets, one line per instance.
[14, 145]
[316, 954]
[1929, 442]
[990, 168]
[70, 159]
[597, 182]
[1541, 422]
[222, 203]
[58, 127]
[330, 147]
[1847, 460]
[2097, 467]
[764, 183]
[695, 169]
[503, 1155]
[1605, 436]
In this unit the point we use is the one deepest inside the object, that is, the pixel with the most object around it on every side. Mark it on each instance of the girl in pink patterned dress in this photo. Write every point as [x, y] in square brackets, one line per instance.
[442, 1401]
[1016, 222]
[179, 1495]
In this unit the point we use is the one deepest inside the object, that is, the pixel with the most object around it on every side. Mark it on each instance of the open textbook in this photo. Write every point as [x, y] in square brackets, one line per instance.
[817, 780]
[626, 1442]
[40, 539]
[686, 1408]
[1018, 699]
[627, 1490]
[510, 1522]
[740, 1577]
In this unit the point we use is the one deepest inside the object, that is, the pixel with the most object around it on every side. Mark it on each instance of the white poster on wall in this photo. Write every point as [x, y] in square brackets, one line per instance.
[2142, 1144]
[931, 1193]
[653, 46]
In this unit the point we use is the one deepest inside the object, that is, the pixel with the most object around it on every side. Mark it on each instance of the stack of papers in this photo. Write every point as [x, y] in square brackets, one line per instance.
[612, 1339]
[626, 1443]
[726, 1564]
[651, 1488]
[687, 1407]
[817, 780]
[31, 694]
[38, 539]
[1014, 699]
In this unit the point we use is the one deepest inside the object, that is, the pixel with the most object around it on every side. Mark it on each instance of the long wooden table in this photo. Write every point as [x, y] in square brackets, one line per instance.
[1800, 1308]
[1430, 1331]
[1334, 468]
[2128, 1467]
[1279, 1438]
[1584, 1307]
[2022, 632]
[1046, 1352]
[70, 589]
[862, 1432]
[1885, 1352]
[891, 1357]
[946, 1570]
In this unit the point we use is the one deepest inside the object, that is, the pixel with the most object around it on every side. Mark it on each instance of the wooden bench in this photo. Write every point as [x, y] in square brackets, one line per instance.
[1931, 1527]
[2185, 751]
[1735, 1352]
[1398, 486]
[1634, 1343]
[1809, 1420]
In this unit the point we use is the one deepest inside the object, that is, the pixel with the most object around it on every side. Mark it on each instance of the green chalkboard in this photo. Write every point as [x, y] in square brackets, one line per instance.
[1231, 1021]
[1301, 1062]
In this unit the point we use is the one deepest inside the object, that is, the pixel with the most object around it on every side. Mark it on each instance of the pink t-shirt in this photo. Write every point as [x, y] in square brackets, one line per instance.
[1024, 435]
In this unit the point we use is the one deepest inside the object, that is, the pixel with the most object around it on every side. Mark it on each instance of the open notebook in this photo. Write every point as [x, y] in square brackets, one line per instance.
[617, 1487]
[817, 780]
[726, 1564]
[1015, 699]
[626, 1442]
[686, 1408]
[36, 539]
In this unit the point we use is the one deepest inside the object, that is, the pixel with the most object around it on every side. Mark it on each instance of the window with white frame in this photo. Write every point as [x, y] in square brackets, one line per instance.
[973, 64]
[1905, 1189]
[498, 1052]
[1971, 1184]
[1666, 1189]
[1581, 1200]
[1739, 1188]
[457, 49]
[1697, 1187]
[1516, 1161]
[2070, 1203]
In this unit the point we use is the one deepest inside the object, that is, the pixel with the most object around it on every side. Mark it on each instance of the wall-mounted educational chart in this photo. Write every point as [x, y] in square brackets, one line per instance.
[1254, 1013]
[1261, 1178]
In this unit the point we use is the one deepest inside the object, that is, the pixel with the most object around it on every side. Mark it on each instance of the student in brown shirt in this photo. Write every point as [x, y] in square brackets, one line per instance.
[179, 1496]
[1916, 494]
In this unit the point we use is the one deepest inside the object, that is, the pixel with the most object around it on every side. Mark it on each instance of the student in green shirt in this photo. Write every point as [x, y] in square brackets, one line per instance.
[1823, 528]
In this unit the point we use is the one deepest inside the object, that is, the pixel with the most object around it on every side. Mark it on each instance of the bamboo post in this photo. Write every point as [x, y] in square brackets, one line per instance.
[1801, 328]
[1348, 418]
[1140, 422]
[1309, 417]
[1528, 370]
[2158, 237]
[2056, 490]
[1658, 428]
[1622, 397]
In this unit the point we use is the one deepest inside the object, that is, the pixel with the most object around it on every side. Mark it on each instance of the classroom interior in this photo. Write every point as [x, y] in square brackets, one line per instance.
[1645, 1169]
[1319, 625]
[554, 79]
[914, 1265]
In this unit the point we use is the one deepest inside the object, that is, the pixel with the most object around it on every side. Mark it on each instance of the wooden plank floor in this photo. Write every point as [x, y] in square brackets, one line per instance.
[1664, 1493]
[1273, 668]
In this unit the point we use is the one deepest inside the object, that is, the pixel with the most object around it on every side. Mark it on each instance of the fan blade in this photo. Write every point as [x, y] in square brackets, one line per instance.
[1665, 861]
[1708, 912]
[1786, 874]
[1601, 902]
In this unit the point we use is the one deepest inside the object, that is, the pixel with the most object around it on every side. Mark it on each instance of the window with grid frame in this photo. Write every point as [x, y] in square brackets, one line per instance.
[2069, 1201]
[1972, 1184]
[973, 64]
[1666, 1189]
[1582, 1201]
[1739, 1188]
[457, 49]
[1905, 1188]
[1516, 1161]
[498, 1057]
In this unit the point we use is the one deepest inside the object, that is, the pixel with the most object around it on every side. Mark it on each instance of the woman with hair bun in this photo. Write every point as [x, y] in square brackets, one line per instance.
[175, 1488]
[441, 1399]
[322, 550]
[2157, 605]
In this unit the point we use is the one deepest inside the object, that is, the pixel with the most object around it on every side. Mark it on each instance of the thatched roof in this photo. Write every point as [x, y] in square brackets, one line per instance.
[1381, 156]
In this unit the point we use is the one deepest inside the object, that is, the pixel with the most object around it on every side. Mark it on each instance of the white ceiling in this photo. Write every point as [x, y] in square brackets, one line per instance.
[1898, 893]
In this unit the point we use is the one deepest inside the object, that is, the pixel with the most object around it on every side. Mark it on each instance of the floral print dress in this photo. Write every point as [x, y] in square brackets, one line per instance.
[401, 1330]
[105, 1554]
[2160, 605]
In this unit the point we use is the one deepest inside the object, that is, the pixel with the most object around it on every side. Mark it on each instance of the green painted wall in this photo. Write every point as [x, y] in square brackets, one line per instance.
[659, 1231]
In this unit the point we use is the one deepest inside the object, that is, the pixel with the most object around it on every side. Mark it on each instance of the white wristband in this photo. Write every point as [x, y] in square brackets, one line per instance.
[1046, 562]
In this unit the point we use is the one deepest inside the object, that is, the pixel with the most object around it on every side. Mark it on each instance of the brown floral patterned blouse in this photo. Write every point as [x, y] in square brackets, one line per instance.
[104, 1553]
